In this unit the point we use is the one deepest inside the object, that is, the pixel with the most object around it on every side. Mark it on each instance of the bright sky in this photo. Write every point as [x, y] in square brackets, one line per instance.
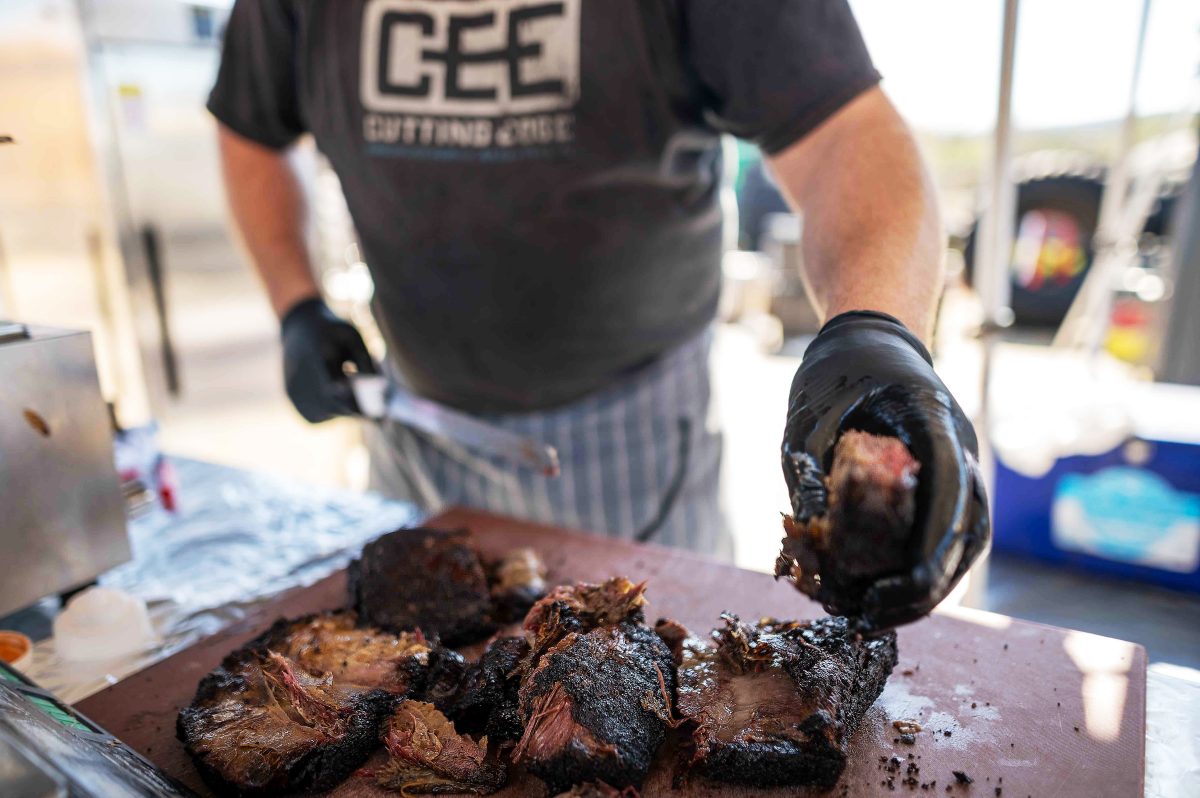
[941, 59]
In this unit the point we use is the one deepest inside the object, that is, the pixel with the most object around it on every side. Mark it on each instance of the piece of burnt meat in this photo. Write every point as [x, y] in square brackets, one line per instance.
[427, 756]
[865, 531]
[775, 704]
[596, 707]
[423, 579]
[580, 608]
[447, 669]
[367, 657]
[518, 580]
[487, 698]
[262, 725]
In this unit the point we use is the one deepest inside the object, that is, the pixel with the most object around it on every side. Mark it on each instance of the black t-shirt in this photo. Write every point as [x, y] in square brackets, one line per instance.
[534, 182]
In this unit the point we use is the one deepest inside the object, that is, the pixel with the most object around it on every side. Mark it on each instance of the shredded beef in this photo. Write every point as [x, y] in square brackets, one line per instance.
[426, 755]
[261, 725]
[581, 607]
[354, 656]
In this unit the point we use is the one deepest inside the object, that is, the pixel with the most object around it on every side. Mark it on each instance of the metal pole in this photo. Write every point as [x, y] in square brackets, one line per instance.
[994, 277]
[1181, 350]
[1088, 317]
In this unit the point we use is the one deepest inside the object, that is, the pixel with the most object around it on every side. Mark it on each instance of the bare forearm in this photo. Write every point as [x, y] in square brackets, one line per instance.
[872, 232]
[269, 210]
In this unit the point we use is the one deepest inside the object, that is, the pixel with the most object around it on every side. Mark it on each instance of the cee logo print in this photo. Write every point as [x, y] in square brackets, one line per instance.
[463, 78]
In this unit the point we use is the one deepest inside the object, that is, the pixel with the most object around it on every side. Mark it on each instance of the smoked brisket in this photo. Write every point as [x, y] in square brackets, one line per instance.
[597, 698]
[262, 725]
[426, 755]
[423, 579]
[859, 518]
[486, 701]
[775, 704]
[367, 657]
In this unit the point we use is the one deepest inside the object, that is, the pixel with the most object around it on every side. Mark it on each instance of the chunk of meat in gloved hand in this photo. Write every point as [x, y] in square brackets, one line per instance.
[869, 505]
[866, 371]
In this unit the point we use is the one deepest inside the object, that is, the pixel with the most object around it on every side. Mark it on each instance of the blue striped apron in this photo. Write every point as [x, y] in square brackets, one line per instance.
[640, 461]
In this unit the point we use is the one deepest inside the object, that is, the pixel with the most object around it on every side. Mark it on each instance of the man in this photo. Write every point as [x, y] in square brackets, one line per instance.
[534, 183]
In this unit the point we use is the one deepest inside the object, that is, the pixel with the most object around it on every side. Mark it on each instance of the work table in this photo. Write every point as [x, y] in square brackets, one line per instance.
[268, 537]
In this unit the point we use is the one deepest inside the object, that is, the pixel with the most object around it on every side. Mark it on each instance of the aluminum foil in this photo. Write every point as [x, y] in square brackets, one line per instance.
[237, 539]
[1172, 731]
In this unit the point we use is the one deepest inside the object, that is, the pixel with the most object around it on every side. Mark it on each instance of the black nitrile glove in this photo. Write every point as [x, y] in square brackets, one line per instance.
[865, 371]
[317, 345]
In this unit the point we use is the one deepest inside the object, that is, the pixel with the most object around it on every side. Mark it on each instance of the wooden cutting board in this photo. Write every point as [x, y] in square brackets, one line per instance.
[1022, 709]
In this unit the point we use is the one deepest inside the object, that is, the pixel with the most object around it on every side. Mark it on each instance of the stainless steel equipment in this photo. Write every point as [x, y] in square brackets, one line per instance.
[62, 519]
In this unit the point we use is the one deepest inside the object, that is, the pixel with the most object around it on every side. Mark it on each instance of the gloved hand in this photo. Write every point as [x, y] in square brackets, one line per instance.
[317, 345]
[866, 371]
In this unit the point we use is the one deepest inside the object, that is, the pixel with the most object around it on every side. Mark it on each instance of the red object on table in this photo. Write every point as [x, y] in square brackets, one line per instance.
[1030, 709]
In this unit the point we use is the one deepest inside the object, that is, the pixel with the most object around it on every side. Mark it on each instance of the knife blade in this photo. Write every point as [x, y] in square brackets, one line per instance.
[378, 399]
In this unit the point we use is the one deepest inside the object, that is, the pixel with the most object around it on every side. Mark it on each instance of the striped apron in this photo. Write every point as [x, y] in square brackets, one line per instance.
[640, 461]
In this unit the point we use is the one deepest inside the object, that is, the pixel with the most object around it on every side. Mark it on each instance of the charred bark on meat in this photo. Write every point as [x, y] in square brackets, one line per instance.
[598, 696]
[423, 579]
[775, 703]
[487, 698]
[447, 670]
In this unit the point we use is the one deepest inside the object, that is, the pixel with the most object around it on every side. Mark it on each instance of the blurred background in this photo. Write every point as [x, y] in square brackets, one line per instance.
[1078, 355]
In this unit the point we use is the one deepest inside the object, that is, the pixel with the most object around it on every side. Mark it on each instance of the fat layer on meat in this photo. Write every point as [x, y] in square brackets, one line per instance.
[775, 703]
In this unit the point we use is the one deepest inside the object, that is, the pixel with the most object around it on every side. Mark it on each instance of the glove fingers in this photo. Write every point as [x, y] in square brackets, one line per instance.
[355, 351]
[308, 404]
[341, 397]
